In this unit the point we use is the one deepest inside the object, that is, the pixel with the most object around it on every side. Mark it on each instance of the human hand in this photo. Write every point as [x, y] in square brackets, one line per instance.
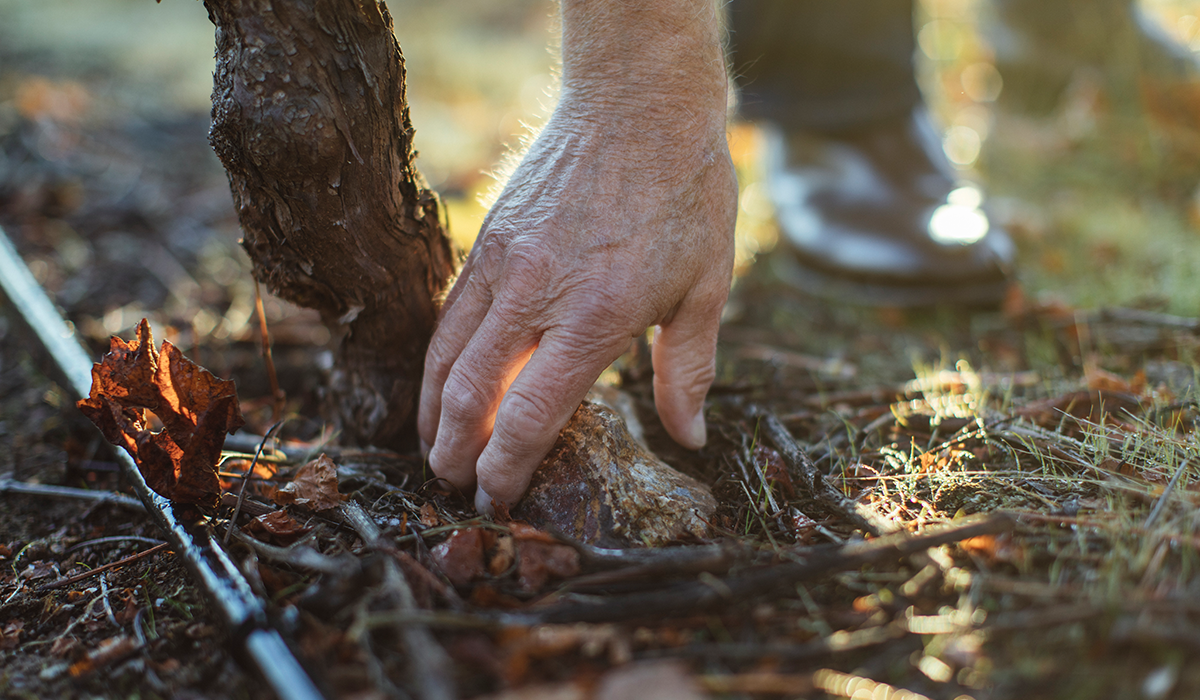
[601, 233]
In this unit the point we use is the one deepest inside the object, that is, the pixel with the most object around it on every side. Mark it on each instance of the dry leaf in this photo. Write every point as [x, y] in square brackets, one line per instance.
[196, 410]
[460, 557]
[315, 486]
[541, 558]
[278, 527]
[10, 635]
[429, 515]
[66, 647]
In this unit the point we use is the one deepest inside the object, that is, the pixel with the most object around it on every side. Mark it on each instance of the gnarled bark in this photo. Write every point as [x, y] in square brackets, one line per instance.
[311, 123]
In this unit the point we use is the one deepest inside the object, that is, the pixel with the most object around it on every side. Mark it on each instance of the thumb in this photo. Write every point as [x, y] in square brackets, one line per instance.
[685, 363]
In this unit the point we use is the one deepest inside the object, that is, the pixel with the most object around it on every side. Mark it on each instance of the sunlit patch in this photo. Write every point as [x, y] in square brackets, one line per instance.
[962, 145]
[959, 221]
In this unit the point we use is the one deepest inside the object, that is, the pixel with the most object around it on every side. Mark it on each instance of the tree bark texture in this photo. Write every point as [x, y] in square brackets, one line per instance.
[311, 123]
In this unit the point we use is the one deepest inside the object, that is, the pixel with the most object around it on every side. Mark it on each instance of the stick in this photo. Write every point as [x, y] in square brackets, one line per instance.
[429, 666]
[799, 461]
[712, 593]
[10, 486]
[278, 398]
[100, 569]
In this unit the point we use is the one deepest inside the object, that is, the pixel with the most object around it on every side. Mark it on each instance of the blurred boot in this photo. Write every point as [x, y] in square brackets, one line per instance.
[870, 209]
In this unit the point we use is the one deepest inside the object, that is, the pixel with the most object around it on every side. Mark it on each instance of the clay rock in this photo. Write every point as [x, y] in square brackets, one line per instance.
[599, 486]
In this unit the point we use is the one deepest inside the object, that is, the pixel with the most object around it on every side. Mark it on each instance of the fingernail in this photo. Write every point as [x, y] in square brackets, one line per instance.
[698, 432]
[424, 448]
[483, 502]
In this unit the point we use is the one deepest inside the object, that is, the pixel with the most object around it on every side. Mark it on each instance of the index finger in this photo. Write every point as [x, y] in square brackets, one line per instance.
[536, 407]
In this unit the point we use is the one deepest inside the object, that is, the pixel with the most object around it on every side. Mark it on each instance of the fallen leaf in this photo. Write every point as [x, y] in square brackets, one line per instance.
[278, 527]
[130, 611]
[502, 556]
[996, 549]
[1103, 380]
[460, 557]
[429, 516]
[541, 558]
[10, 635]
[804, 528]
[196, 410]
[315, 486]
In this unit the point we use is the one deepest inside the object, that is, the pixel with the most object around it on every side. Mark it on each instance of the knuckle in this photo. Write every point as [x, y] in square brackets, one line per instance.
[527, 258]
[463, 399]
[438, 358]
[524, 419]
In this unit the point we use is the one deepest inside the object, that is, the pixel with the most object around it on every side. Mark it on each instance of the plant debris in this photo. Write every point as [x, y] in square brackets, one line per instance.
[315, 486]
[134, 385]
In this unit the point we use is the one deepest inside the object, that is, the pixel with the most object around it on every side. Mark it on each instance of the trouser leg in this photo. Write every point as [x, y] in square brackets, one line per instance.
[823, 64]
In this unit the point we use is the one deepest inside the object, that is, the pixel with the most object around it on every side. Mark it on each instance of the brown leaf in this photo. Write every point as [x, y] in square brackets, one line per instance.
[315, 486]
[541, 558]
[460, 557]
[429, 515]
[195, 408]
[10, 635]
[130, 611]
[502, 556]
[1103, 380]
[278, 527]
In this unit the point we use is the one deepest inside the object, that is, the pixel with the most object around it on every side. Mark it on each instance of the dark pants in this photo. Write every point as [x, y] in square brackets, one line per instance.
[834, 65]
[825, 65]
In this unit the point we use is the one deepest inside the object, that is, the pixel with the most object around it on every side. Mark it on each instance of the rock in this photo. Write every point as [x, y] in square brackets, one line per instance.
[599, 486]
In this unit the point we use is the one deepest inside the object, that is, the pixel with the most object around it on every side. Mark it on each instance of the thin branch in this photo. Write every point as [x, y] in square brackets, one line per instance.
[429, 667]
[92, 572]
[712, 593]
[117, 499]
[798, 461]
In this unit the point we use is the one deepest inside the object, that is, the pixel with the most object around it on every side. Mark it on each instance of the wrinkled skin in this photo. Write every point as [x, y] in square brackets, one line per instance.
[619, 218]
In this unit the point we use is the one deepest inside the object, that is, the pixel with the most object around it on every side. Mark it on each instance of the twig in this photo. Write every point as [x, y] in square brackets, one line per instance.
[840, 641]
[299, 556]
[697, 596]
[10, 486]
[99, 569]
[104, 598]
[237, 509]
[799, 461]
[110, 540]
[429, 666]
[277, 395]
[1169, 489]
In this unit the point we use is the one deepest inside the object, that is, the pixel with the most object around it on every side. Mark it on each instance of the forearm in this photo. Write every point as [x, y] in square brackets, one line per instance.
[658, 60]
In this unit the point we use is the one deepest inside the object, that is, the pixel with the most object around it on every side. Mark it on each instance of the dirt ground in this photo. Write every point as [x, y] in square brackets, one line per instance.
[1072, 408]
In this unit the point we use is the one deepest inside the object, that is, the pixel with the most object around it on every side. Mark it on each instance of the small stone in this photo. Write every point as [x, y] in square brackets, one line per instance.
[599, 486]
